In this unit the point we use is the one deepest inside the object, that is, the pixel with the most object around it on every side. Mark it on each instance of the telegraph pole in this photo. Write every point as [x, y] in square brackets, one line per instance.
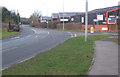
[63, 15]
[86, 22]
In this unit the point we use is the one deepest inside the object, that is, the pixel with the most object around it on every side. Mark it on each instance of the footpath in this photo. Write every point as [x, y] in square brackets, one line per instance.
[106, 57]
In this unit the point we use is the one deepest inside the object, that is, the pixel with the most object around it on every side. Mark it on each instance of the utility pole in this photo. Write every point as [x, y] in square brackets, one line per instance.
[63, 16]
[86, 22]
[47, 17]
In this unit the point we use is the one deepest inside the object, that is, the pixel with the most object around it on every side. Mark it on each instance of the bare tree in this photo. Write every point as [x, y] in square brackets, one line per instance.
[35, 17]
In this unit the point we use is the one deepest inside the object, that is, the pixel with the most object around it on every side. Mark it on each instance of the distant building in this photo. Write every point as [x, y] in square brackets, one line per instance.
[45, 19]
[103, 16]
[55, 16]
[67, 16]
[103, 19]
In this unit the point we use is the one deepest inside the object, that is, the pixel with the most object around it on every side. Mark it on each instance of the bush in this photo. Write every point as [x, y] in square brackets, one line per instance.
[53, 24]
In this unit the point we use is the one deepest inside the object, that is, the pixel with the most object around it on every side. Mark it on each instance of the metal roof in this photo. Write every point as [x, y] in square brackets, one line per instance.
[103, 10]
[69, 14]
[98, 11]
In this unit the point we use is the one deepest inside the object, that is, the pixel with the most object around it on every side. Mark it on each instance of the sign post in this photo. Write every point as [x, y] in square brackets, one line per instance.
[86, 22]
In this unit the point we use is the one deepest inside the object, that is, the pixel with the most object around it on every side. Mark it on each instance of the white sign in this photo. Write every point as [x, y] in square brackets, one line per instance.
[64, 19]
[100, 17]
[82, 19]
[95, 20]
[112, 19]
[104, 28]
[72, 19]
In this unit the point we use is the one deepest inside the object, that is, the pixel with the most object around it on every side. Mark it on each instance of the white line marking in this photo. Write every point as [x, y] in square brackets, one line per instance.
[71, 35]
[75, 35]
[4, 68]
[15, 38]
[26, 59]
[18, 62]
[36, 36]
[69, 32]
[29, 36]
[34, 31]
[9, 49]
[48, 32]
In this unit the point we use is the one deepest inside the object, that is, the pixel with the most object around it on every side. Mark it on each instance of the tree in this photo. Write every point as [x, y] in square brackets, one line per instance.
[6, 14]
[35, 17]
[11, 18]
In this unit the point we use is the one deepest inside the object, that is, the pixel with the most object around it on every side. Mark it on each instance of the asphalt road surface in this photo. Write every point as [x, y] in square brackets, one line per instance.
[29, 43]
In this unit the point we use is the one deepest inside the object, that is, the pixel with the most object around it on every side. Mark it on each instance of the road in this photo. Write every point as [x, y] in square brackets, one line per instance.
[29, 43]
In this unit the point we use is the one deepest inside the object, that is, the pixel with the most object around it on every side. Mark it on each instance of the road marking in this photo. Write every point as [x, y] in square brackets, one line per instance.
[71, 35]
[75, 35]
[48, 32]
[9, 48]
[34, 31]
[36, 36]
[4, 68]
[15, 38]
[26, 59]
[29, 36]
[69, 32]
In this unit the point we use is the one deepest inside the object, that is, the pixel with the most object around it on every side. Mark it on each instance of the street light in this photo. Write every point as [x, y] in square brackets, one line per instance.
[63, 15]
[86, 22]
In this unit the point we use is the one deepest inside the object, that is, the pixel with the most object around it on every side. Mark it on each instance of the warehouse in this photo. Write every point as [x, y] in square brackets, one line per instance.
[67, 16]
[103, 19]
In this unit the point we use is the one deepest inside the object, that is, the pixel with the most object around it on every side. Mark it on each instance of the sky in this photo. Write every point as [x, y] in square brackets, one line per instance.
[47, 7]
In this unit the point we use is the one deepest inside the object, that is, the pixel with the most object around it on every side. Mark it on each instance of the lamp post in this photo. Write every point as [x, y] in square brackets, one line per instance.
[86, 22]
[63, 15]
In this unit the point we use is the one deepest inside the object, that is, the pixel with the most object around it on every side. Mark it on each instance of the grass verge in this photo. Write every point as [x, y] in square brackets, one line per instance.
[73, 57]
[4, 33]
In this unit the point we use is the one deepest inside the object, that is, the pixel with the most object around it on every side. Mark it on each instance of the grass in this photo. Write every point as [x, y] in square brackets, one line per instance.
[73, 57]
[4, 33]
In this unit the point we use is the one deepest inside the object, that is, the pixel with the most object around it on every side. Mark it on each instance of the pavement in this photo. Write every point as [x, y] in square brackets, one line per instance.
[105, 60]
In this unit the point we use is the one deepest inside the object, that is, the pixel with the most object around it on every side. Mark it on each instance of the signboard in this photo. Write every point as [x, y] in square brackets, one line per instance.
[82, 19]
[72, 19]
[100, 17]
[112, 19]
[104, 28]
[103, 22]
[95, 20]
[63, 19]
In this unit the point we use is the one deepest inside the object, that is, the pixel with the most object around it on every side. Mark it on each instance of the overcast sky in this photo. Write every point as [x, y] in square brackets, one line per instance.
[27, 7]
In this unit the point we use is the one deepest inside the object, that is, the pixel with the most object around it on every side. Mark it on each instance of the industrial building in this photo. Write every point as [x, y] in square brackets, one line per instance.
[103, 19]
[67, 16]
